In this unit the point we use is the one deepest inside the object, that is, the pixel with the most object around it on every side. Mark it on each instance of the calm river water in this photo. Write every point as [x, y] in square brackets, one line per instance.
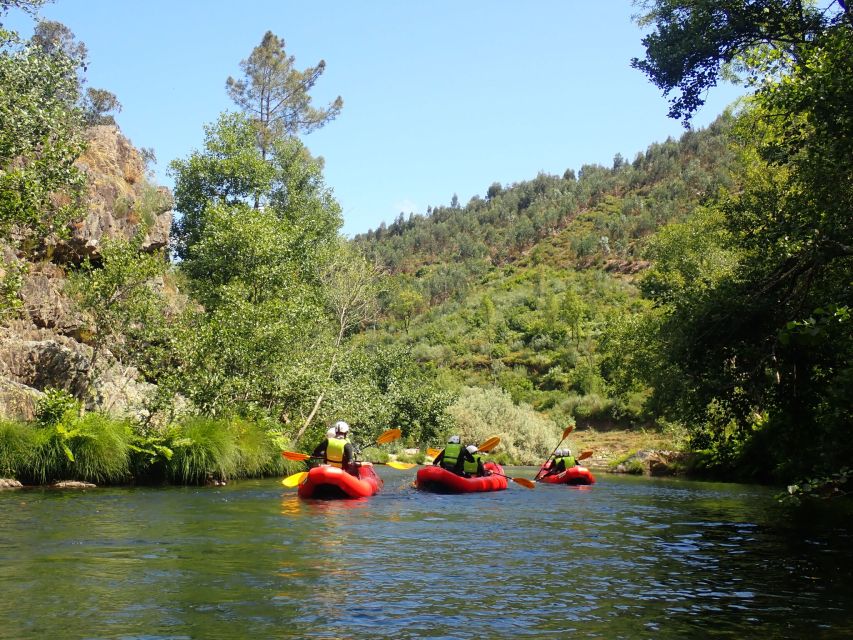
[626, 558]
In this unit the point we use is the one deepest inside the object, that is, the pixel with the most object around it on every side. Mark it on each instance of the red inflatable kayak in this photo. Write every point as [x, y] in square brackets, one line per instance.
[572, 475]
[439, 480]
[330, 482]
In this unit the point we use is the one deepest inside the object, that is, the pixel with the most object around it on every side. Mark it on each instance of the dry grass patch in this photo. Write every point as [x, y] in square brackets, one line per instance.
[610, 445]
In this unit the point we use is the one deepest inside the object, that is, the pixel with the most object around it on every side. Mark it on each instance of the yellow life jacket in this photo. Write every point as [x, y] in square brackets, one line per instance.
[335, 452]
[472, 467]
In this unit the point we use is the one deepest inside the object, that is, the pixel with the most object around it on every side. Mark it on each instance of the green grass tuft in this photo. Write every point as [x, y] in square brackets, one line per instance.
[203, 448]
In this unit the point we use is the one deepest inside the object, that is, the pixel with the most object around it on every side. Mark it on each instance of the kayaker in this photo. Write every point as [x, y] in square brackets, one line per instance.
[474, 468]
[336, 450]
[453, 456]
[563, 459]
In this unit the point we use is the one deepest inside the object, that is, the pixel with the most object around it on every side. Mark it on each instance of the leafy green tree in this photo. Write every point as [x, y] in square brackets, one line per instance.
[350, 288]
[56, 39]
[119, 299]
[228, 171]
[264, 338]
[275, 95]
[693, 43]
[231, 171]
[572, 312]
[404, 302]
[40, 138]
[29, 6]
[775, 266]
[97, 104]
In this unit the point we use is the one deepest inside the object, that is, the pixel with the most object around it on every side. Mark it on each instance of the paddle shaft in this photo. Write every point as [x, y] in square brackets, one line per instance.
[524, 482]
[566, 433]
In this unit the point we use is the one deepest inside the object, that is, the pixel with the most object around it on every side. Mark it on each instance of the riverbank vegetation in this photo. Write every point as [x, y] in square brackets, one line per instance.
[699, 292]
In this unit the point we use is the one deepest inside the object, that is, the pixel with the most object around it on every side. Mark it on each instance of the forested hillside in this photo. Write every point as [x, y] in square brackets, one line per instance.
[516, 291]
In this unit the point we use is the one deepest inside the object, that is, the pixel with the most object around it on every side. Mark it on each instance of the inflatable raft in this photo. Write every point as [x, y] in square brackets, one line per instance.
[572, 475]
[438, 480]
[330, 482]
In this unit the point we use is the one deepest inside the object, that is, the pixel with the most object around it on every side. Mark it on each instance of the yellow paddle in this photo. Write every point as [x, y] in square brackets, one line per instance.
[295, 479]
[389, 436]
[566, 433]
[432, 453]
[398, 465]
[489, 444]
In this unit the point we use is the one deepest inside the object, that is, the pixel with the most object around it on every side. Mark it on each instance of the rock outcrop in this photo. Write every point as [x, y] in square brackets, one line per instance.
[119, 201]
[45, 347]
[655, 463]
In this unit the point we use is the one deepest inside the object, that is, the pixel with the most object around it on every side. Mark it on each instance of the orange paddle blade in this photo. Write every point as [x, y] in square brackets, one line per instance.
[584, 455]
[389, 436]
[292, 455]
[568, 430]
[524, 482]
[489, 444]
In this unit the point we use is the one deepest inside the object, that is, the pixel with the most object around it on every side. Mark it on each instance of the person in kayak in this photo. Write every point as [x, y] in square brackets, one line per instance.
[336, 450]
[474, 468]
[454, 456]
[563, 459]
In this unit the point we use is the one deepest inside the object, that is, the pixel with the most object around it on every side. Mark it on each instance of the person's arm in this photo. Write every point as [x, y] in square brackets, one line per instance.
[349, 455]
[320, 450]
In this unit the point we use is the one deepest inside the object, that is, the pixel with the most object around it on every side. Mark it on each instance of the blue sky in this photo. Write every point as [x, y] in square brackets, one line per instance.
[441, 97]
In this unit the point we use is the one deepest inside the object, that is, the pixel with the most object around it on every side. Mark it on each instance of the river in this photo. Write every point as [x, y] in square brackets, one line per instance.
[626, 558]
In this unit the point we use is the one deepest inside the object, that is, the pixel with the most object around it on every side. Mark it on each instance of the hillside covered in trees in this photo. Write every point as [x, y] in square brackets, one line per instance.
[519, 290]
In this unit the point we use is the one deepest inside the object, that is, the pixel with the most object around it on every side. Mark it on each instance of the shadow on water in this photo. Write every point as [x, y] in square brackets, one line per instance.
[625, 558]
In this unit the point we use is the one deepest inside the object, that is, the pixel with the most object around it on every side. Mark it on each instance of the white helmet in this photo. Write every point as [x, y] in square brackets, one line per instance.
[560, 453]
[472, 448]
[567, 452]
[331, 433]
[453, 440]
[341, 428]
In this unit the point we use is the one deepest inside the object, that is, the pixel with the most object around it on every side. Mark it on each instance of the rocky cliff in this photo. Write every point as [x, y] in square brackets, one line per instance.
[43, 347]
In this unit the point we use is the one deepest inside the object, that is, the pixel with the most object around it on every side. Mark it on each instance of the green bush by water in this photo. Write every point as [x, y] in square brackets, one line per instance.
[98, 448]
[203, 448]
[16, 444]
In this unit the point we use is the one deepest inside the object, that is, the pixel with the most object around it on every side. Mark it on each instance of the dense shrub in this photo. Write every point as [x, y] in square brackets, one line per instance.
[526, 436]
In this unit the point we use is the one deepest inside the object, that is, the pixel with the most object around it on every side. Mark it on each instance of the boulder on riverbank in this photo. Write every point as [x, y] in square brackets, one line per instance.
[73, 484]
[10, 483]
[655, 462]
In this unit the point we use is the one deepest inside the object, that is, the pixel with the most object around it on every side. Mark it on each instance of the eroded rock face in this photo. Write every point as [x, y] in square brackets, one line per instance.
[44, 348]
[17, 401]
[119, 201]
[43, 364]
[45, 302]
